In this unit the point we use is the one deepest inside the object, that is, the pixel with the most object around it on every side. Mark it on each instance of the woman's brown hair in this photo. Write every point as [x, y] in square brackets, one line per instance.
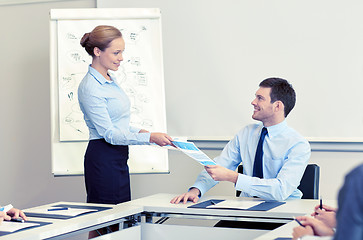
[100, 37]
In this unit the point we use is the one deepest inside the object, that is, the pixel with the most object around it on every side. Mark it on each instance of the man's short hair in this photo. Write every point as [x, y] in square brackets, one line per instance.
[281, 90]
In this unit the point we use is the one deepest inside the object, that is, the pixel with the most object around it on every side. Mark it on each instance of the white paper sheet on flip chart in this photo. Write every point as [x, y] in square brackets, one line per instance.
[7, 226]
[235, 204]
[194, 152]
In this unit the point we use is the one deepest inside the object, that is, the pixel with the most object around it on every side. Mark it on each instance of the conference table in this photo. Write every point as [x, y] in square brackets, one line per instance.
[154, 217]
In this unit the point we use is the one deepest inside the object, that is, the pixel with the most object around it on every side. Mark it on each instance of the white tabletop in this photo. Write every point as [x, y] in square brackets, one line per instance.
[161, 203]
[64, 226]
[158, 203]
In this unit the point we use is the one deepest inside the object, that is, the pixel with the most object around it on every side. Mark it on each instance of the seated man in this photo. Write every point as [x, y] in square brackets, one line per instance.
[273, 162]
[349, 216]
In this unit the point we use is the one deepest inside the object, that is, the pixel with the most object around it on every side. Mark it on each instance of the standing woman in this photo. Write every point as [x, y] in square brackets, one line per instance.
[106, 110]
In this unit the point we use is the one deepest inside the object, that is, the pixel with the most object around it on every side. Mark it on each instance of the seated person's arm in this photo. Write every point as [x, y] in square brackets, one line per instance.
[288, 178]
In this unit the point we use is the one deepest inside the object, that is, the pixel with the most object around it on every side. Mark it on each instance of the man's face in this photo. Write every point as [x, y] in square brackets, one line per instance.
[263, 108]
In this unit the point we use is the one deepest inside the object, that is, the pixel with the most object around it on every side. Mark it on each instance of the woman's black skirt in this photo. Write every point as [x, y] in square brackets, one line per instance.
[106, 173]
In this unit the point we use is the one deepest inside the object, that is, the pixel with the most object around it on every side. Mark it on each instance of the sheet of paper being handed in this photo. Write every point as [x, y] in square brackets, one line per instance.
[194, 152]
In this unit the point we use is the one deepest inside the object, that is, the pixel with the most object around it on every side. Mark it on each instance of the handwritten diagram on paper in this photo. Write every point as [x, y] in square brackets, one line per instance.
[139, 75]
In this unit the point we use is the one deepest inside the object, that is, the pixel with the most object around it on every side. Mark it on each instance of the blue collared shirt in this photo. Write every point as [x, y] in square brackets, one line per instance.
[106, 110]
[285, 156]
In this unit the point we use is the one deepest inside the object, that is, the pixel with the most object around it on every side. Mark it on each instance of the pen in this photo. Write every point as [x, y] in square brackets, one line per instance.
[321, 203]
[17, 220]
[57, 209]
[299, 222]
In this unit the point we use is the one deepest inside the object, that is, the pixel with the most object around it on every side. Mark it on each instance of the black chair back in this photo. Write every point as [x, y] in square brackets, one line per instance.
[309, 184]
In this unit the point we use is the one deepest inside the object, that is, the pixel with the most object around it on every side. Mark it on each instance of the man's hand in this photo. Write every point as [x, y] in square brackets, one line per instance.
[219, 173]
[192, 195]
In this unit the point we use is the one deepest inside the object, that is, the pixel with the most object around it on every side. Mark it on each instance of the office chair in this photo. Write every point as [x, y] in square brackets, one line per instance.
[309, 184]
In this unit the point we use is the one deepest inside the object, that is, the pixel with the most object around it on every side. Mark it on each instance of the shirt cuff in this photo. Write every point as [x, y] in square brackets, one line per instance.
[200, 192]
[243, 183]
[201, 189]
[134, 129]
[144, 137]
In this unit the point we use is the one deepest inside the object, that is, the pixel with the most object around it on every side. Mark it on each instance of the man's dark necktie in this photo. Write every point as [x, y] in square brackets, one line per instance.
[257, 166]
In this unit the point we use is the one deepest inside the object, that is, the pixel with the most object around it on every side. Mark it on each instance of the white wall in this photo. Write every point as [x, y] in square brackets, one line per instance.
[218, 51]
[25, 178]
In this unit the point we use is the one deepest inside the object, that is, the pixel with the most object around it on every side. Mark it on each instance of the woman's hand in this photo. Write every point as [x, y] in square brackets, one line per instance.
[161, 139]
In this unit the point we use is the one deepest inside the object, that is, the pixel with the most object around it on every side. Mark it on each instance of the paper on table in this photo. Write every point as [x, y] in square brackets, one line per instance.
[192, 151]
[70, 212]
[7, 226]
[235, 204]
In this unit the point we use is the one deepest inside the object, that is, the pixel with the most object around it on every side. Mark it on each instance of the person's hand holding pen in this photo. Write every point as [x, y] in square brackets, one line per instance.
[311, 226]
[325, 214]
[301, 231]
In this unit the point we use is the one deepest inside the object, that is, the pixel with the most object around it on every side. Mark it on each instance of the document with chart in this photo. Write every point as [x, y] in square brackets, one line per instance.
[192, 151]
